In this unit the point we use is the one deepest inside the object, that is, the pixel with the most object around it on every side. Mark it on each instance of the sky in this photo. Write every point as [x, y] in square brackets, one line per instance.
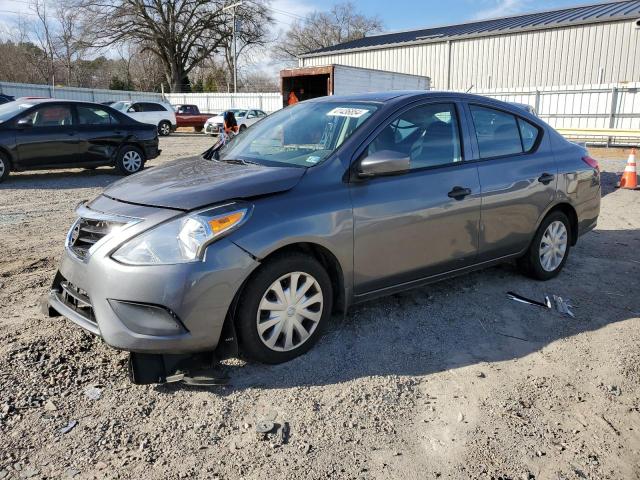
[407, 14]
[396, 15]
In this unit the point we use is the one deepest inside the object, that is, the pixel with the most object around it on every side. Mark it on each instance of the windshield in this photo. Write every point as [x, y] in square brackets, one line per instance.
[122, 106]
[302, 135]
[11, 109]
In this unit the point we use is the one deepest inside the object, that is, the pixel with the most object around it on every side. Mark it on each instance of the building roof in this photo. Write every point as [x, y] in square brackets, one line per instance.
[585, 14]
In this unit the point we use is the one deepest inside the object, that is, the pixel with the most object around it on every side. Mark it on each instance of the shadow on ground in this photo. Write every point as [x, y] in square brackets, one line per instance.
[460, 322]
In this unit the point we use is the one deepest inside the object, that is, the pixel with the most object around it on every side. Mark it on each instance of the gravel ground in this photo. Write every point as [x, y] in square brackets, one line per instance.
[451, 381]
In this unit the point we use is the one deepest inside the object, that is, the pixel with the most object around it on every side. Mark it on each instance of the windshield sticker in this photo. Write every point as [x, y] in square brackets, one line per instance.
[347, 112]
[313, 159]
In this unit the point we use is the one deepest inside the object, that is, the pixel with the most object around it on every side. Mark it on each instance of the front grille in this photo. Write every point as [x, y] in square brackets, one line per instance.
[76, 299]
[86, 232]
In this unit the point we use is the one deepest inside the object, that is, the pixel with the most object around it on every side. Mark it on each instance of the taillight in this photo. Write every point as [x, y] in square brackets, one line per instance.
[592, 162]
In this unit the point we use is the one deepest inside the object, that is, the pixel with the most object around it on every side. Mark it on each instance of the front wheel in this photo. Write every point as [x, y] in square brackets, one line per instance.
[164, 128]
[198, 129]
[549, 249]
[130, 160]
[4, 167]
[283, 308]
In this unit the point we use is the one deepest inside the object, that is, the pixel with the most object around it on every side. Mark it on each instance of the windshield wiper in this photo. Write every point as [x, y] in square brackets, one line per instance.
[238, 161]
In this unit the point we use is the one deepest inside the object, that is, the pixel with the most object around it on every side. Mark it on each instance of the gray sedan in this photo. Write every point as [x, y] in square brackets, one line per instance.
[321, 205]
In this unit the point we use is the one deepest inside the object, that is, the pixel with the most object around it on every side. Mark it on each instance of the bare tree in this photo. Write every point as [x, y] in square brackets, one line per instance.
[181, 33]
[68, 41]
[324, 29]
[43, 34]
[252, 33]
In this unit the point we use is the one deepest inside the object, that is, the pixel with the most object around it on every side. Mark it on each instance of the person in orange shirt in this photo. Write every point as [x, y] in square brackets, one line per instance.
[230, 125]
[293, 99]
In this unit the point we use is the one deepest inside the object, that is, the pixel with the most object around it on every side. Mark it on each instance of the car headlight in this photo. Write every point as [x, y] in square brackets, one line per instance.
[184, 239]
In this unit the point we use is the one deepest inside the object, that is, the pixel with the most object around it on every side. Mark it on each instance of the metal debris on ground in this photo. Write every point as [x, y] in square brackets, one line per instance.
[553, 302]
[70, 426]
[563, 305]
[519, 298]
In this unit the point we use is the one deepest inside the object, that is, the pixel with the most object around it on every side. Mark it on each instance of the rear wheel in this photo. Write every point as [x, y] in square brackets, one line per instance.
[198, 129]
[549, 249]
[164, 128]
[4, 167]
[283, 308]
[130, 160]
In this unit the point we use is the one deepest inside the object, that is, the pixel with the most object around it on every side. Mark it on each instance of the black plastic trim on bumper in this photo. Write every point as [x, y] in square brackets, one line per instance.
[56, 302]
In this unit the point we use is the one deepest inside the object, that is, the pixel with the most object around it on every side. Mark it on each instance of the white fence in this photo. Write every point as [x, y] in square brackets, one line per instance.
[207, 102]
[586, 106]
[218, 102]
[606, 106]
[73, 93]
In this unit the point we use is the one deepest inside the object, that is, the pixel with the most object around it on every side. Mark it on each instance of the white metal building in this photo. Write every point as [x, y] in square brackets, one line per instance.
[592, 44]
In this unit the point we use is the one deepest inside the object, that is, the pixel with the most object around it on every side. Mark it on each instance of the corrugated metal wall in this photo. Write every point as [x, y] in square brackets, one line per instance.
[347, 80]
[585, 54]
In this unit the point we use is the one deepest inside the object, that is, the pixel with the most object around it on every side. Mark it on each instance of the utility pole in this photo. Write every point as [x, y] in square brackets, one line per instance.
[234, 46]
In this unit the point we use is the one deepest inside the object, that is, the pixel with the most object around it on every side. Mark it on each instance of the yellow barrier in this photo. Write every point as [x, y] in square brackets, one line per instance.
[598, 132]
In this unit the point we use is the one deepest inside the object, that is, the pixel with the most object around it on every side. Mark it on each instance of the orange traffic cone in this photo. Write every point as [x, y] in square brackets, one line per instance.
[629, 178]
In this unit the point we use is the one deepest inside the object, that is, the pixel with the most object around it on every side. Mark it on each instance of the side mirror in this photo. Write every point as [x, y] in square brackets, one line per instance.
[383, 162]
[24, 123]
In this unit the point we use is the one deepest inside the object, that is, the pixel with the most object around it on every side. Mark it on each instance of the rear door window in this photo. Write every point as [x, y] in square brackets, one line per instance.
[151, 107]
[94, 116]
[501, 134]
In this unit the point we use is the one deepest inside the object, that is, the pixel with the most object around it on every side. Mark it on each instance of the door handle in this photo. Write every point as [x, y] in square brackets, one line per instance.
[459, 193]
[546, 178]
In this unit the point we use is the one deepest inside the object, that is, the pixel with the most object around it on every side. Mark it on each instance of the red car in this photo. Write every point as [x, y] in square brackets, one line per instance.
[190, 116]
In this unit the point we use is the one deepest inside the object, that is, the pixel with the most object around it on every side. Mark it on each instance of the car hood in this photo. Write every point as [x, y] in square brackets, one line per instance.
[194, 182]
[216, 119]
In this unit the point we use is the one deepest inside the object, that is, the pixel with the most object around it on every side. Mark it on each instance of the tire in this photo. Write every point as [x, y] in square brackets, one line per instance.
[164, 128]
[5, 167]
[242, 128]
[198, 129]
[130, 160]
[259, 292]
[539, 267]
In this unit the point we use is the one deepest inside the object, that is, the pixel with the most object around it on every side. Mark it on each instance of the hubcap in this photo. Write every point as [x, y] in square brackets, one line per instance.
[2, 167]
[131, 161]
[553, 246]
[164, 128]
[289, 311]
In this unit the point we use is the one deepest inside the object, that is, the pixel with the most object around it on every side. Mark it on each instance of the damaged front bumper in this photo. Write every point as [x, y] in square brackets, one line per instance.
[152, 309]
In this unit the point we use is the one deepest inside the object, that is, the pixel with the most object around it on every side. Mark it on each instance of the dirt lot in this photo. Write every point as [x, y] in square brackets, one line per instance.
[451, 381]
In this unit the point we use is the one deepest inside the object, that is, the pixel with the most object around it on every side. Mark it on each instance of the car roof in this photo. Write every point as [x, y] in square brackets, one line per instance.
[37, 101]
[388, 97]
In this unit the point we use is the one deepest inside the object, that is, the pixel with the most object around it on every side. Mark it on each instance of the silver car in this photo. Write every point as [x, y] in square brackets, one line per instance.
[333, 201]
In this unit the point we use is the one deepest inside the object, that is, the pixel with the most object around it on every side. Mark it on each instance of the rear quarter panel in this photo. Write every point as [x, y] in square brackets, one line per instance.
[578, 183]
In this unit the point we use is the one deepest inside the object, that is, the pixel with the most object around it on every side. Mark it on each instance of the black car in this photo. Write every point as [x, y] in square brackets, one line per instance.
[5, 98]
[45, 134]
